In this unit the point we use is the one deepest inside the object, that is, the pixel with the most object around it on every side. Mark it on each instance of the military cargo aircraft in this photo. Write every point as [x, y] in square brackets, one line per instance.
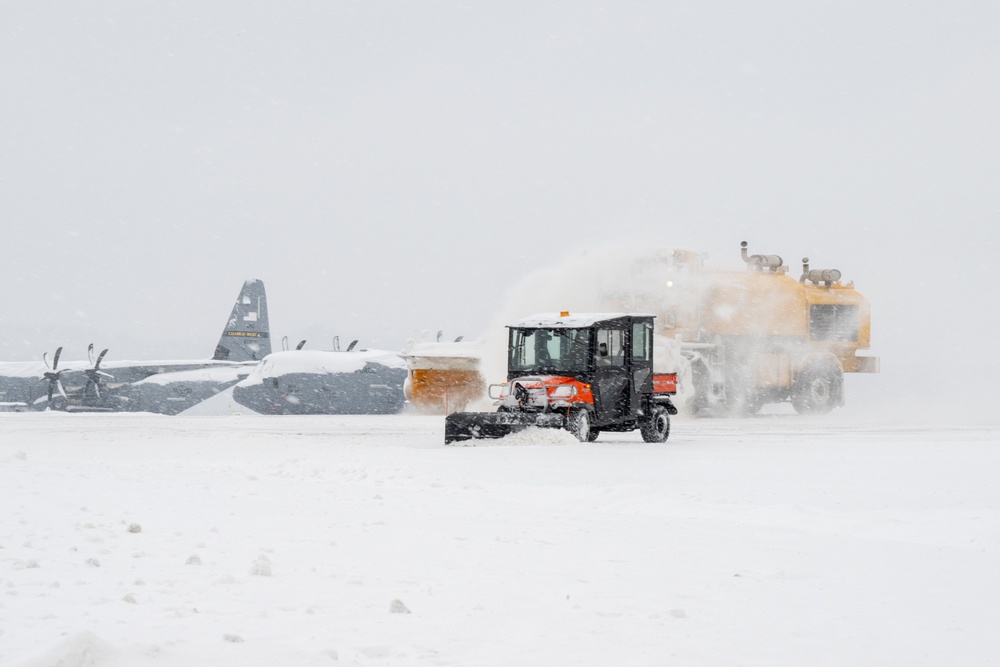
[325, 382]
[165, 387]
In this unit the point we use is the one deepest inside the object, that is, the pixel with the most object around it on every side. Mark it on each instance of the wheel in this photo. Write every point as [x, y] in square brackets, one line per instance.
[592, 436]
[818, 389]
[657, 427]
[578, 424]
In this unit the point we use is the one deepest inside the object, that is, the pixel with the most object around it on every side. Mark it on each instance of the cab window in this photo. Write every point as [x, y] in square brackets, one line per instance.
[549, 350]
[642, 341]
[610, 349]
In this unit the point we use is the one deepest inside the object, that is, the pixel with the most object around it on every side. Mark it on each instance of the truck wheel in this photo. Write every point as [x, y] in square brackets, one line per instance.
[657, 427]
[578, 423]
[593, 435]
[818, 389]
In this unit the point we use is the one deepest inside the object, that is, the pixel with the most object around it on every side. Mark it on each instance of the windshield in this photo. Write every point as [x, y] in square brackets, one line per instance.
[549, 350]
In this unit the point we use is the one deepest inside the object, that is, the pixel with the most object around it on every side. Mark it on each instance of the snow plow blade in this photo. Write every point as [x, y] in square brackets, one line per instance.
[459, 426]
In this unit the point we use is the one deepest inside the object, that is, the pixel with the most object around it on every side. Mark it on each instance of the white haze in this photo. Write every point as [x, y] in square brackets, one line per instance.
[393, 168]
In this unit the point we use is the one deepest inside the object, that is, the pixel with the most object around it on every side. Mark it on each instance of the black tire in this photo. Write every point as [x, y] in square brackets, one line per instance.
[657, 427]
[593, 435]
[818, 389]
[578, 423]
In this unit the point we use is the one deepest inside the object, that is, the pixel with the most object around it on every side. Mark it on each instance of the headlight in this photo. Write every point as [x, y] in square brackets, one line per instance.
[563, 391]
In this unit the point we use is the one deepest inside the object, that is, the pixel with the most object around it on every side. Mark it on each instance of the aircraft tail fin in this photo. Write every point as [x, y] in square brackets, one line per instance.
[247, 335]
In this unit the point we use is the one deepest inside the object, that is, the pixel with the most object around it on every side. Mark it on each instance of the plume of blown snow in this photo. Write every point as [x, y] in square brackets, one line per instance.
[621, 278]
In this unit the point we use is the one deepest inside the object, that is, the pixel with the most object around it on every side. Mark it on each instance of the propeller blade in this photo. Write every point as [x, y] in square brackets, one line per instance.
[50, 393]
[351, 346]
[107, 375]
[97, 389]
[55, 359]
[61, 390]
[336, 343]
[100, 358]
[90, 353]
[301, 343]
[86, 387]
[45, 358]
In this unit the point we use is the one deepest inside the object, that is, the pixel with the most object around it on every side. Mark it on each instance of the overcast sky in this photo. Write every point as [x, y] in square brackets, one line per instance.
[388, 168]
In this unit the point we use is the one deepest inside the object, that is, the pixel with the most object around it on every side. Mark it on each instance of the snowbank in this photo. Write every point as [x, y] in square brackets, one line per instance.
[319, 361]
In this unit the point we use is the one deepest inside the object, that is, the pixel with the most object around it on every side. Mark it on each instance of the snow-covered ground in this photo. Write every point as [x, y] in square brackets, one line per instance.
[245, 540]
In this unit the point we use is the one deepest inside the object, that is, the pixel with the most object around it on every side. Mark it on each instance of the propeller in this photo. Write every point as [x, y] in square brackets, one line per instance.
[351, 346]
[94, 374]
[284, 344]
[52, 375]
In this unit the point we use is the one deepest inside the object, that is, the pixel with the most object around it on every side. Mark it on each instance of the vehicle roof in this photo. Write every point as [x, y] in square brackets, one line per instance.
[570, 320]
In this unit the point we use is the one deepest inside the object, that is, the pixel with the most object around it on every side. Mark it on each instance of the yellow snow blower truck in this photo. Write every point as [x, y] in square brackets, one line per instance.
[585, 373]
[761, 336]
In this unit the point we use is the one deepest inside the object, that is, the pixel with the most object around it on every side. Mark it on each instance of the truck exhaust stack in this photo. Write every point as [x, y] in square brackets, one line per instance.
[760, 262]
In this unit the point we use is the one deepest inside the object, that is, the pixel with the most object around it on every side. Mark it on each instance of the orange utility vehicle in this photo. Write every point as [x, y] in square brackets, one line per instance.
[585, 373]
